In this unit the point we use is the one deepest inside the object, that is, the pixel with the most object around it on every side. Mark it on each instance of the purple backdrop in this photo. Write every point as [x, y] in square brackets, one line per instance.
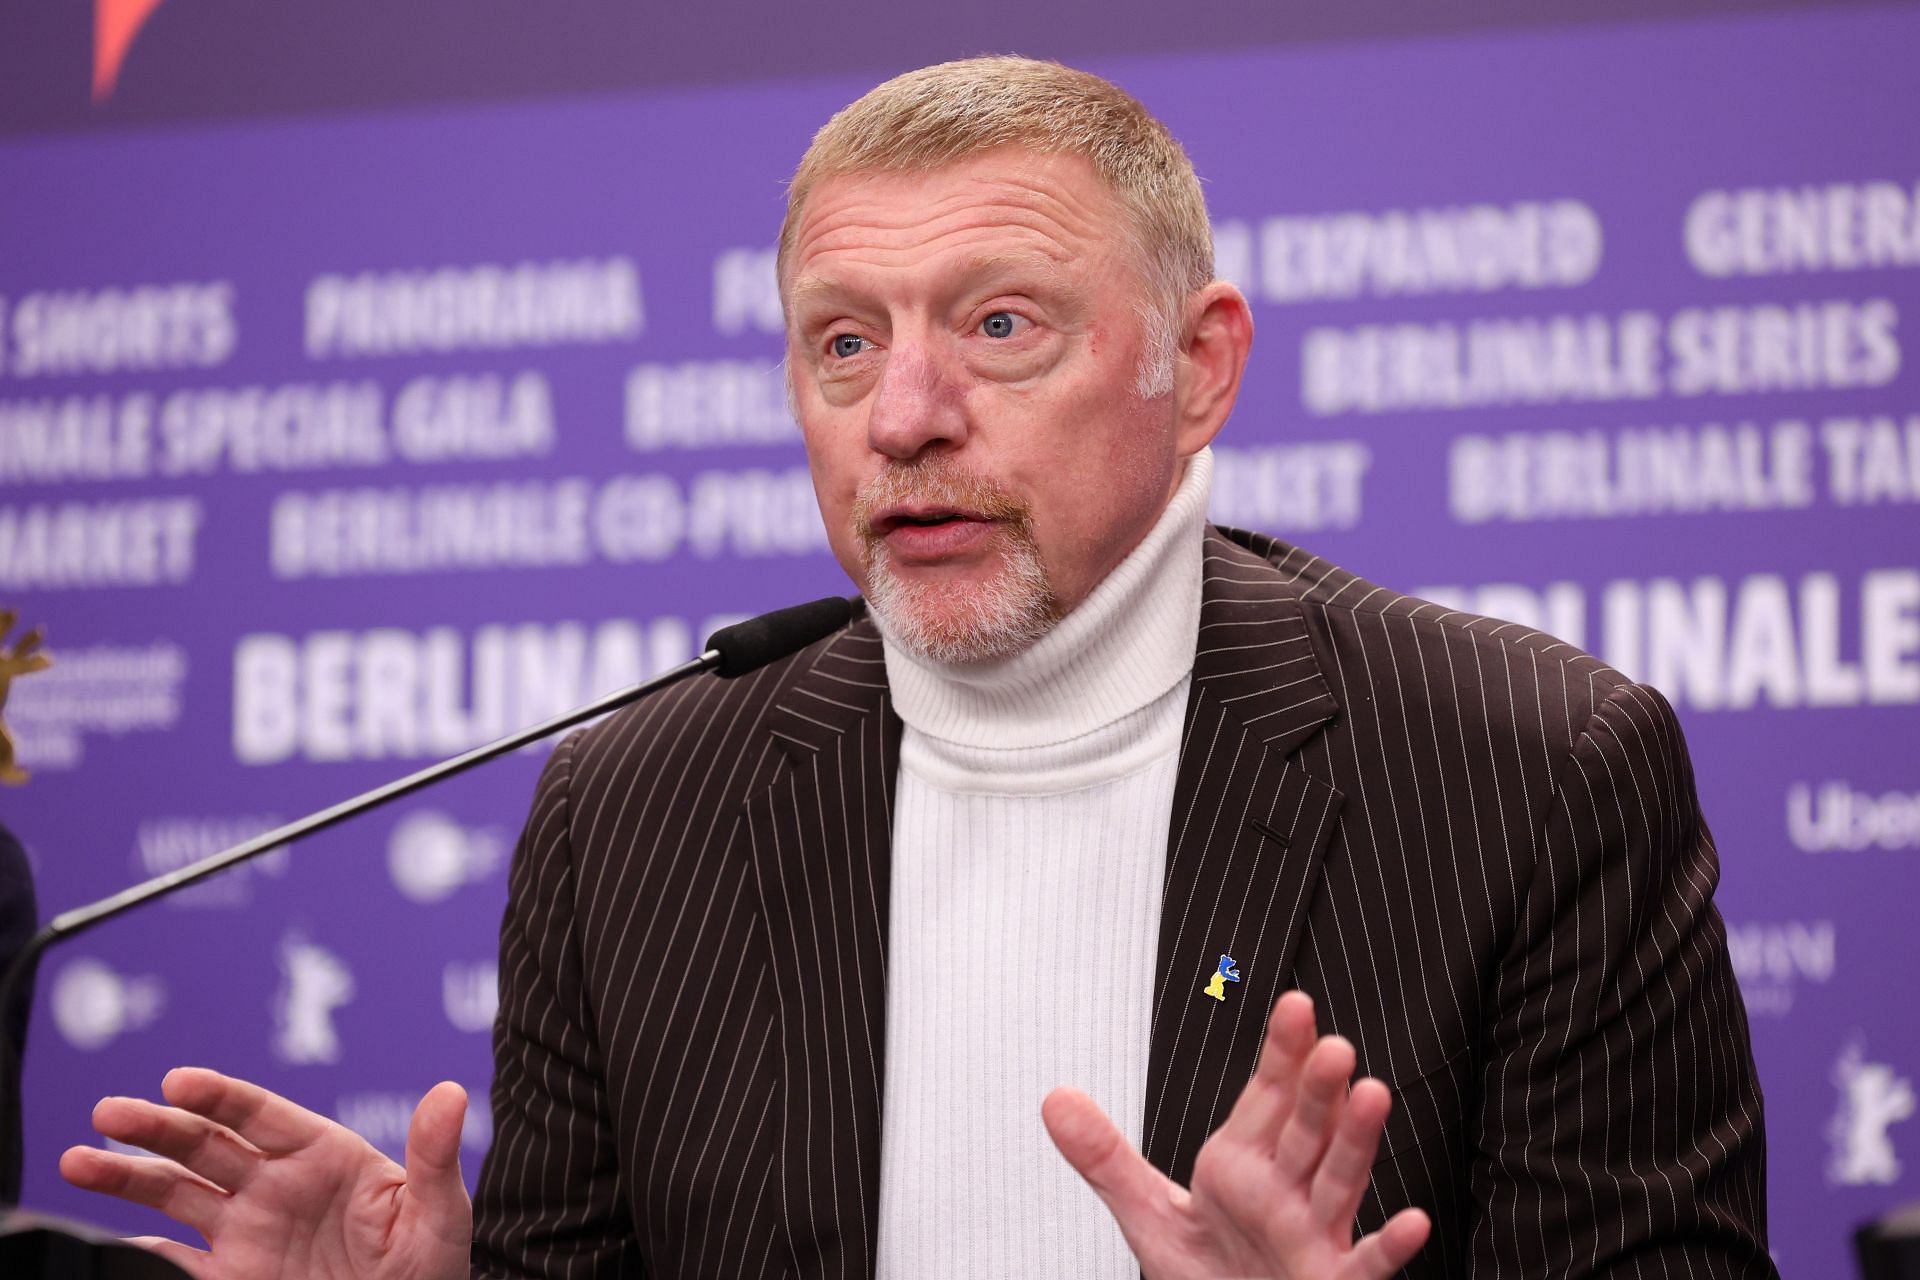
[331, 446]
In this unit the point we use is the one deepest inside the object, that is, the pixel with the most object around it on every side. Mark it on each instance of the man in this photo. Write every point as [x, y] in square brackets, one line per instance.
[19, 911]
[19, 918]
[790, 962]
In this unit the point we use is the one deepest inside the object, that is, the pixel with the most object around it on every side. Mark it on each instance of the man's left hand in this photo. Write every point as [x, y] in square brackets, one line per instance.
[1276, 1187]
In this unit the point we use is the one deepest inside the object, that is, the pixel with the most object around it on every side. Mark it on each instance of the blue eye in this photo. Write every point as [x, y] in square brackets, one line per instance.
[998, 325]
[846, 345]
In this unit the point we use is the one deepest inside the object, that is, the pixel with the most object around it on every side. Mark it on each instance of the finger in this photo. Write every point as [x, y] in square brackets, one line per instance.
[1263, 1106]
[216, 1153]
[267, 1120]
[433, 1163]
[148, 1180]
[1316, 1110]
[1135, 1192]
[190, 1260]
[1342, 1176]
[1392, 1247]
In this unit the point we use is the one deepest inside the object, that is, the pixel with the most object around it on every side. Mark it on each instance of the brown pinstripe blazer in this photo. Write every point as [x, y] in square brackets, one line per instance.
[1476, 847]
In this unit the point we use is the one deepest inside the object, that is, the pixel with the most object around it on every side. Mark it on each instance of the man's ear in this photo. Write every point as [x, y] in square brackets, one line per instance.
[1218, 335]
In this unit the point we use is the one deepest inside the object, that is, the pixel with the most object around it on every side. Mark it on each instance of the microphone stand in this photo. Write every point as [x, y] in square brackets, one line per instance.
[731, 651]
[68, 923]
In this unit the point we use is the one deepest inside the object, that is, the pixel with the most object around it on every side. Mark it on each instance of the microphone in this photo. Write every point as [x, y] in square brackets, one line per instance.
[731, 652]
[750, 645]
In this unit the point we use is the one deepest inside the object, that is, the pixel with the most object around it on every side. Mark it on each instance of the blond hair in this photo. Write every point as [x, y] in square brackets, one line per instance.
[939, 115]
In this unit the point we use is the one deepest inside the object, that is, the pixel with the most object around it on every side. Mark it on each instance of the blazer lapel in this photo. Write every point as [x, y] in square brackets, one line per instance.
[819, 841]
[1249, 829]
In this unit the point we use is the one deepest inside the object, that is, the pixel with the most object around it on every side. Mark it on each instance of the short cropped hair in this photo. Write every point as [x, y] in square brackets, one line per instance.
[940, 115]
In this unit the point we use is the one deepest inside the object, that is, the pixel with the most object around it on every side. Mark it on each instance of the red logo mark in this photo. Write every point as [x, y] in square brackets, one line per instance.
[115, 24]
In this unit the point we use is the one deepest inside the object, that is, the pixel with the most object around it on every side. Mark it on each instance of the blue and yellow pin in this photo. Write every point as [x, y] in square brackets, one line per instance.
[1217, 984]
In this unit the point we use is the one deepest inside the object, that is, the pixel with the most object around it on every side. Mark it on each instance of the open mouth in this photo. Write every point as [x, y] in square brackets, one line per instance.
[891, 520]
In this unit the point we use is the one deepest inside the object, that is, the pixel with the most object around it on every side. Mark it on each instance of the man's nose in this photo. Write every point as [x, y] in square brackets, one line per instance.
[918, 403]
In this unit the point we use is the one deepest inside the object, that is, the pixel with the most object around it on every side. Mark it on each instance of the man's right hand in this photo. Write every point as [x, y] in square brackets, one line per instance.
[278, 1191]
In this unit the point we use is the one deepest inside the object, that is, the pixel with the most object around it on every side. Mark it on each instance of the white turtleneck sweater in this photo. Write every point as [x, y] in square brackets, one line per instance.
[1029, 848]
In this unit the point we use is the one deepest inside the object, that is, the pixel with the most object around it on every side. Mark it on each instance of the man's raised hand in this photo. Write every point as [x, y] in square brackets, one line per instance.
[279, 1192]
[1276, 1187]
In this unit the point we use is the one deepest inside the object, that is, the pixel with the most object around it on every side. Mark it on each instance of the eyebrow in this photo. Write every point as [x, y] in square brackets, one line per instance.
[808, 290]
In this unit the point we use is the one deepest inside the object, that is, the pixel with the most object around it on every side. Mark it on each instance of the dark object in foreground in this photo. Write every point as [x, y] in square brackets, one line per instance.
[1889, 1248]
[19, 917]
[34, 1246]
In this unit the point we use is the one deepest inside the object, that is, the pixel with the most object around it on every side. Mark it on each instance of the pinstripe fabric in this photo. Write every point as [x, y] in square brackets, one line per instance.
[1477, 848]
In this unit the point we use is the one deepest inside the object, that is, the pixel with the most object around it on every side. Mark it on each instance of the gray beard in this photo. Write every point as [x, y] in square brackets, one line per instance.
[960, 626]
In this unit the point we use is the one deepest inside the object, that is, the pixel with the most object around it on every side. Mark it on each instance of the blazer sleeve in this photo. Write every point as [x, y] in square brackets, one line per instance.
[1621, 1125]
[19, 917]
[551, 1200]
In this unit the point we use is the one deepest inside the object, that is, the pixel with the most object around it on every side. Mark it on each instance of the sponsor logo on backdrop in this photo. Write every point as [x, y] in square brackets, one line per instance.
[1773, 960]
[429, 855]
[1873, 1099]
[166, 844]
[470, 993]
[313, 983]
[1832, 817]
[103, 690]
[93, 1005]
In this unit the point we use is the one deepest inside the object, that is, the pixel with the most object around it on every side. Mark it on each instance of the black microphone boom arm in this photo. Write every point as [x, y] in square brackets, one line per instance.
[731, 651]
[71, 922]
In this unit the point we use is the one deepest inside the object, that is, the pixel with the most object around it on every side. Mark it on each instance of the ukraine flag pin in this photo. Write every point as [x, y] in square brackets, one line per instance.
[1217, 984]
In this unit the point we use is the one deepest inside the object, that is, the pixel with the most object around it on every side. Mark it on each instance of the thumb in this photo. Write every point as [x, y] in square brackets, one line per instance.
[1101, 1154]
[433, 1160]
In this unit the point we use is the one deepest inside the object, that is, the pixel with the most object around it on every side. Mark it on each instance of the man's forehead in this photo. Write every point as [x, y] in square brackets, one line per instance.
[1004, 211]
[828, 281]
[998, 172]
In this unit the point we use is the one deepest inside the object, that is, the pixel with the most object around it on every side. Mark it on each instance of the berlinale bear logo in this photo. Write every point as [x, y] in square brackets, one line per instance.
[314, 982]
[1872, 1100]
[115, 24]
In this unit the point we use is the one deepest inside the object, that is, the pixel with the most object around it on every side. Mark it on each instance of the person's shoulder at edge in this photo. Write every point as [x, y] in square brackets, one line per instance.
[18, 914]
[1476, 665]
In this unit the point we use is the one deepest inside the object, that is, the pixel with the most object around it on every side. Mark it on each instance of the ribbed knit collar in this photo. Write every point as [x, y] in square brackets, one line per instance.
[1128, 643]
